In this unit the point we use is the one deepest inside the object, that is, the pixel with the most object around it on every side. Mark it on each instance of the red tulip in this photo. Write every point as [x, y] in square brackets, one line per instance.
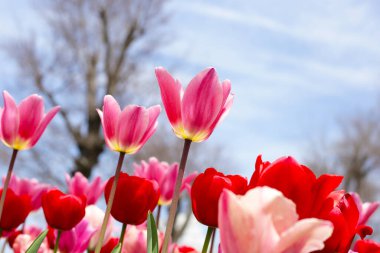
[134, 197]
[206, 190]
[63, 211]
[297, 182]
[110, 245]
[367, 246]
[16, 209]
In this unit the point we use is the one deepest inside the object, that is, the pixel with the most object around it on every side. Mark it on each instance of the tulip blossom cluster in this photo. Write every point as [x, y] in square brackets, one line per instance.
[282, 208]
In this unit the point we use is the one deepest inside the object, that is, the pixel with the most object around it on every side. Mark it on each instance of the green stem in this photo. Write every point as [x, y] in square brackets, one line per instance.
[210, 231]
[212, 241]
[158, 216]
[6, 182]
[173, 206]
[121, 239]
[110, 203]
[57, 241]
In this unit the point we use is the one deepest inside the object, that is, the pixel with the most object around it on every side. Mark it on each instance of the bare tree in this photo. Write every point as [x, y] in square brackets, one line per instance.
[355, 153]
[87, 49]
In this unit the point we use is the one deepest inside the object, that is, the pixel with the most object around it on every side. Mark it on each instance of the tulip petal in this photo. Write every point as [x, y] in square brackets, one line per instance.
[111, 113]
[306, 235]
[133, 123]
[31, 112]
[202, 102]
[10, 119]
[43, 124]
[171, 92]
[108, 141]
[154, 112]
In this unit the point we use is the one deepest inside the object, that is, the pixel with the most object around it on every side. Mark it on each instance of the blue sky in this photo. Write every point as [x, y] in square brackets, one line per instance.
[295, 66]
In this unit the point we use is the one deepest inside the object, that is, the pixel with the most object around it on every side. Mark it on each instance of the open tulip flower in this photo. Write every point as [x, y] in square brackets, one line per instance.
[263, 220]
[127, 131]
[22, 126]
[195, 112]
[165, 176]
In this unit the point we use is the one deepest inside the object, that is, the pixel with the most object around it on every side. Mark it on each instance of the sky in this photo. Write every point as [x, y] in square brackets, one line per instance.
[295, 66]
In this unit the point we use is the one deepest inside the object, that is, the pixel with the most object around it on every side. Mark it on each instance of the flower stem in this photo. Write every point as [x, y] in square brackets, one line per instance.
[212, 241]
[173, 206]
[121, 239]
[158, 215]
[110, 203]
[9, 174]
[210, 231]
[57, 241]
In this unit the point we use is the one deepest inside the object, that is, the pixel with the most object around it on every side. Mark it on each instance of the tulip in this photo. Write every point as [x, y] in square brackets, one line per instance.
[165, 176]
[63, 211]
[263, 220]
[30, 187]
[135, 239]
[16, 209]
[134, 197]
[79, 185]
[109, 245]
[297, 182]
[127, 131]
[77, 239]
[195, 112]
[23, 242]
[22, 126]
[366, 209]
[206, 190]
[367, 246]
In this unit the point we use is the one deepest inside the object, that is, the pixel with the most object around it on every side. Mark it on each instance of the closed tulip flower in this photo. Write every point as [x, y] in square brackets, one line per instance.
[206, 190]
[16, 209]
[195, 112]
[127, 130]
[63, 211]
[21, 126]
[134, 197]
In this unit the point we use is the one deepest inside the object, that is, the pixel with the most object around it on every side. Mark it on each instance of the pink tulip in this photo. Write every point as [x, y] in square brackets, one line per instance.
[79, 185]
[263, 220]
[165, 175]
[94, 216]
[77, 239]
[23, 242]
[30, 187]
[195, 112]
[365, 209]
[22, 126]
[127, 131]
[135, 239]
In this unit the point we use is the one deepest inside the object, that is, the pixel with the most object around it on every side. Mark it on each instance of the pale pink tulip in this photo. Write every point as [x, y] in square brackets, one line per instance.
[165, 175]
[195, 112]
[79, 185]
[22, 126]
[263, 220]
[23, 242]
[127, 130]
[94, 216]
[30, 187]
[135, 239]
[365, 209]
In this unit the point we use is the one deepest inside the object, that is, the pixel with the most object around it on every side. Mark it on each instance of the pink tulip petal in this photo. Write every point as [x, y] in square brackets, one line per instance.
[306, 235]
[111, 113]
[31, 112]
[202, 101]
[43, 124]
[107, 140]
[171, 90]
[133, 123]
[10, 119]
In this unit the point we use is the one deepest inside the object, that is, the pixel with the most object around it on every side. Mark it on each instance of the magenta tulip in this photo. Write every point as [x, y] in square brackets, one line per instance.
[195, 111]
[263, 220]
[22, 126]
[127, 130]
[79, 185]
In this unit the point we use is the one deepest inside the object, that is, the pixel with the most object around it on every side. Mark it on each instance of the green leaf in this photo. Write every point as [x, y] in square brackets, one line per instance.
[152, 235]
[37, 243]
[117, 248]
